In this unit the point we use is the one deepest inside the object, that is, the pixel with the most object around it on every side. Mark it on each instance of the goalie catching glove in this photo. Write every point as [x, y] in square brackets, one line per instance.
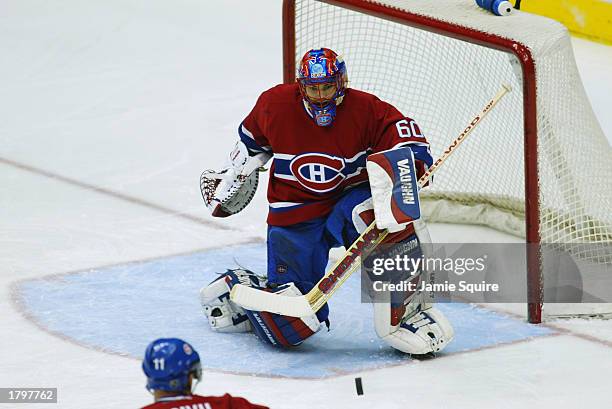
[231, 189]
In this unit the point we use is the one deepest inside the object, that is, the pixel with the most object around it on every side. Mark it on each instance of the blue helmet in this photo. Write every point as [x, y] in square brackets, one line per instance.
[322, 79]
[168, 362]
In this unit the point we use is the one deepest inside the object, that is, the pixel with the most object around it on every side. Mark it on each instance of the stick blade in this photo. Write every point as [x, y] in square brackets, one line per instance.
[258, 300]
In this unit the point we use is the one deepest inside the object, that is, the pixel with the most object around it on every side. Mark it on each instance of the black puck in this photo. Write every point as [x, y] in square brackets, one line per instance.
[359, 386]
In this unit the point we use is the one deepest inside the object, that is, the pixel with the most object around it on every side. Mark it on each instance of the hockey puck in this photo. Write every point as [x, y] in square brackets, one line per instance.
[358, 386]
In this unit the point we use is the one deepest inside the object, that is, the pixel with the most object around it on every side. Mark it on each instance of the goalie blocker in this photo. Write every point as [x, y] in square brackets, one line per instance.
[393, 182]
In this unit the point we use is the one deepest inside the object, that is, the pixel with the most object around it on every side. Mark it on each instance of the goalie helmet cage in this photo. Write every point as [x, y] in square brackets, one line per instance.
[540, 168]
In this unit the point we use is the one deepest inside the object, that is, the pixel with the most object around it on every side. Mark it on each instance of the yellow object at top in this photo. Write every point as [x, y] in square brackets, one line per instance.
[585, 18]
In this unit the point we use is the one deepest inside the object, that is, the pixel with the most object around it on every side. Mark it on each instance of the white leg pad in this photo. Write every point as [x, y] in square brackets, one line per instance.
[422, 333]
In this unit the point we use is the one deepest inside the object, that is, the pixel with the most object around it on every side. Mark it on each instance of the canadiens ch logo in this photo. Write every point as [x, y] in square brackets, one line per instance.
[317, 171]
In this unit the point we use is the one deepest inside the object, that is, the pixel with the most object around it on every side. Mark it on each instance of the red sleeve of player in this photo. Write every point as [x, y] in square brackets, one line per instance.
[252, 129]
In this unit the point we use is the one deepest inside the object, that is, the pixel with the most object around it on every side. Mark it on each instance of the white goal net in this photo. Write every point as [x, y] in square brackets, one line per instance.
[538, 167]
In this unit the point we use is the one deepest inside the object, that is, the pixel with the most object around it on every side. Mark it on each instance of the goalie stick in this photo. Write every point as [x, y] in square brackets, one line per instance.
[305, 305]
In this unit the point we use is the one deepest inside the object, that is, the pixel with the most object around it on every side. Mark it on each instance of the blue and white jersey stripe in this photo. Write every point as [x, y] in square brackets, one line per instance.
[318, 171]
[249, 140]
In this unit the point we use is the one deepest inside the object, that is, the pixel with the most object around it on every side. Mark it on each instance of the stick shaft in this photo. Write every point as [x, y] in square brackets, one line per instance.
[466, 132]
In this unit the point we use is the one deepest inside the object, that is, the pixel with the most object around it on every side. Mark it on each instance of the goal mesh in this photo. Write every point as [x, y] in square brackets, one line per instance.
[442, 80]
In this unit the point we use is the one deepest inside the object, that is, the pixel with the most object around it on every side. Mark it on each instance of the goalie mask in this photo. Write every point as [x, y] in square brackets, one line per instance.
[322, 79]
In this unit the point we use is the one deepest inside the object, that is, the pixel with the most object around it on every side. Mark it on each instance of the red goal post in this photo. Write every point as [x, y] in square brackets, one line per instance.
[414, 38]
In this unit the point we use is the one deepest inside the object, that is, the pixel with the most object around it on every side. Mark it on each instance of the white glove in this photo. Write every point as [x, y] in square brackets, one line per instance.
[223, 190]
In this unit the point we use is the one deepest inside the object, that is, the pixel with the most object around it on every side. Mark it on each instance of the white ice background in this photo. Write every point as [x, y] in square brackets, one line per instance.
[109, 111]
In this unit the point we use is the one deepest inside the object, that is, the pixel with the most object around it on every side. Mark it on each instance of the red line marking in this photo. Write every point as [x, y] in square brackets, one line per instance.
[117, 195]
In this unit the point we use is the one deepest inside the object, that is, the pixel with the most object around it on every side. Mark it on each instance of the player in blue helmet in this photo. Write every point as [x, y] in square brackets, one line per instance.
[322, 79]
[171, 365]
[173, 368]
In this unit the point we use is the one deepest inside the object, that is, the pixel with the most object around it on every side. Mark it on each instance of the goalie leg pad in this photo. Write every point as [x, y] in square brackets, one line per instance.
[423, 332]
[406, 321]
[278, 330]
[224, 315]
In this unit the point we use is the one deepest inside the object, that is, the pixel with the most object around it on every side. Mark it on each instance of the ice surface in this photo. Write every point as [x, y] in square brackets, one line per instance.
[110, 110]
[121, 308]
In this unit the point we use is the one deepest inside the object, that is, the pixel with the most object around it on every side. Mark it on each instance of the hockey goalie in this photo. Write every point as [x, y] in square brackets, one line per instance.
[321, 134]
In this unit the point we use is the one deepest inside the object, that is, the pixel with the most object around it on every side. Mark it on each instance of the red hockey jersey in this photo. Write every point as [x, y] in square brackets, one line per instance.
[314, 165]
[204, 402]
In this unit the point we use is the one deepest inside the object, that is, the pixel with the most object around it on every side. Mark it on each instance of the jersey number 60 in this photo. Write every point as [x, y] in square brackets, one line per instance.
[408, 129]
